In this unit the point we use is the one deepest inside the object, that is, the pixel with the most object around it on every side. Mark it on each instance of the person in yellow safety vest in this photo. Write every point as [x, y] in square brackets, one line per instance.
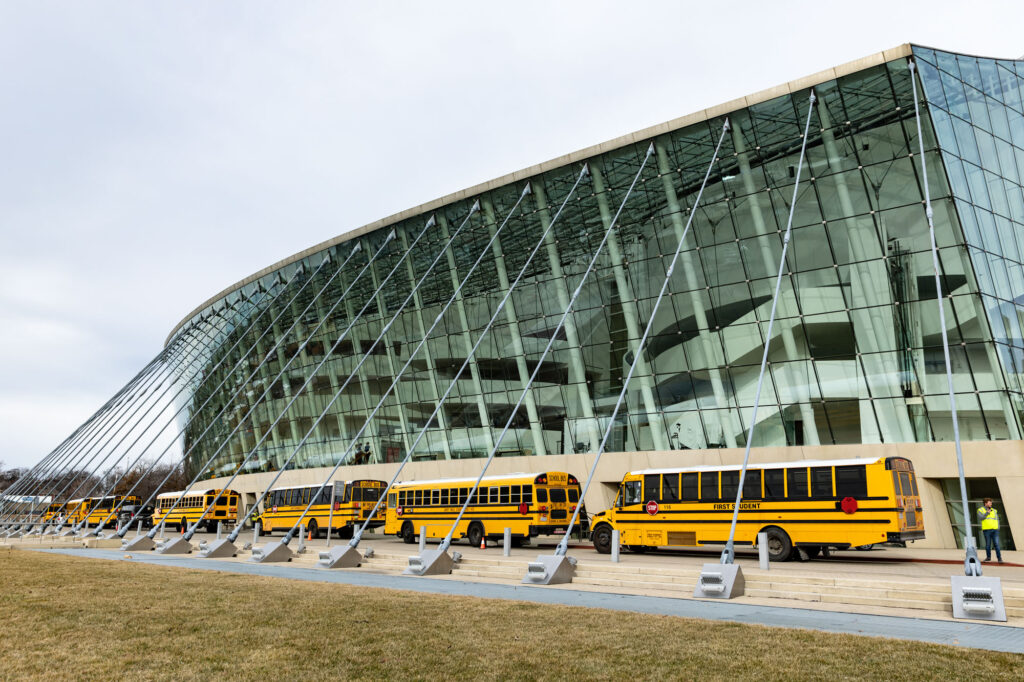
[989, 519]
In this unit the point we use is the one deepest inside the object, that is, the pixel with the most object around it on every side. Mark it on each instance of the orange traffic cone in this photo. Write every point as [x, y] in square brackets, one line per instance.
[309, 536]
[182, 528]
[483, 542]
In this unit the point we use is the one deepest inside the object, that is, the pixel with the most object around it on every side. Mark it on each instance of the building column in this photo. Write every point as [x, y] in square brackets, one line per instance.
[467, 341]
[707, 354]
[536, 428]
[870, 329]
[628, 301]
[417, 301]
[392, 364]
[354, 335]
[785, 327]
[577, 367]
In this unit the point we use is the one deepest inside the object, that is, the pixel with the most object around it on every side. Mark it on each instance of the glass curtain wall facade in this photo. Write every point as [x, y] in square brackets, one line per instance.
[856, 353]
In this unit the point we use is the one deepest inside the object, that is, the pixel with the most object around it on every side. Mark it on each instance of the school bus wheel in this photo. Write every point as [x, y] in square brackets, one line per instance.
[312, 529]
[407, 534]
[602, 538]
[780, 547]
[475, 534]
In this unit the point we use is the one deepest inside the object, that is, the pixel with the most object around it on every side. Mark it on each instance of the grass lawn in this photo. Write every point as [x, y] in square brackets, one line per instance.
[67, 617]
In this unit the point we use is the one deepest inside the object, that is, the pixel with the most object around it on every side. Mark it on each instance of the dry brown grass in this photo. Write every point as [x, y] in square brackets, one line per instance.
[67, 617]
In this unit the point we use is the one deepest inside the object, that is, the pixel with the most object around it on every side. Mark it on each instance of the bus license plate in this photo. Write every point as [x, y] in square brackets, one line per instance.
[559, 531]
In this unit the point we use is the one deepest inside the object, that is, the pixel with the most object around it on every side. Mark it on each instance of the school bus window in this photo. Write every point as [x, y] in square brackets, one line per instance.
[774, 484]
[419, 498]
[821, 482]
[851, 481]
[528, 494]
[542, 495]
[558, 495]
[730, 484]
[905, 484]
[652, 487]
[494, 495]
[515, 494]
[670, 487]
[504, 495]
[574, 495]
[630, 493]
[463, 494]
[444, 497]
[709, 486]
[690, 487]
[796, 484]
[752, 485]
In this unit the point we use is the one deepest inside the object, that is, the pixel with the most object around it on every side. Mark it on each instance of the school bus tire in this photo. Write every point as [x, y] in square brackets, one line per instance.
[602, 538]
[408, 534]
[475, 533]
[313, 529]
[780, 547]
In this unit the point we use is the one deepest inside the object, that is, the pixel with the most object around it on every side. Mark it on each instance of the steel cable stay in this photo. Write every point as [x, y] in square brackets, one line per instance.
[87, 449]
[56, 457]
[182, 543]
[187, 346]
[309, 377]
[215, 392]
[198, 344]
[209, 373]
[131, 423]
[971, 564]
[146, 541]
[729, 553]
[973, 596]
[226, 546]
[347, 556]
[563, 545]
[66, 453]
[343, 458]
[438, 561]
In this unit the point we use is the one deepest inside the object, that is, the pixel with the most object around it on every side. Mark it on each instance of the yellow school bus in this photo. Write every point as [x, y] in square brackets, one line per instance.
[193, 505]
[806, 506]
[53, 511]
[529, 504]
[94, 509]
[284, 506]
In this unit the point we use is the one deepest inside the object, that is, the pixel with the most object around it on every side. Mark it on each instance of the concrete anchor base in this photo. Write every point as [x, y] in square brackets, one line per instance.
[219, 549]
[345, 556]
[430, 562]
[178, 545]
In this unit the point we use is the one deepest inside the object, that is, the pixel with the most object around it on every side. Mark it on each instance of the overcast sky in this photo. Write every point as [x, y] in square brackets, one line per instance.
[152, 154]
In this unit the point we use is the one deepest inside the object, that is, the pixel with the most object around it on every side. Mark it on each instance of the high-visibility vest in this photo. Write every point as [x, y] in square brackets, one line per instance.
[989, 518]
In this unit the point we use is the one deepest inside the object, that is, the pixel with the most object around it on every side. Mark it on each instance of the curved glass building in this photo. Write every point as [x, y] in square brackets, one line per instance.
[295, 359]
